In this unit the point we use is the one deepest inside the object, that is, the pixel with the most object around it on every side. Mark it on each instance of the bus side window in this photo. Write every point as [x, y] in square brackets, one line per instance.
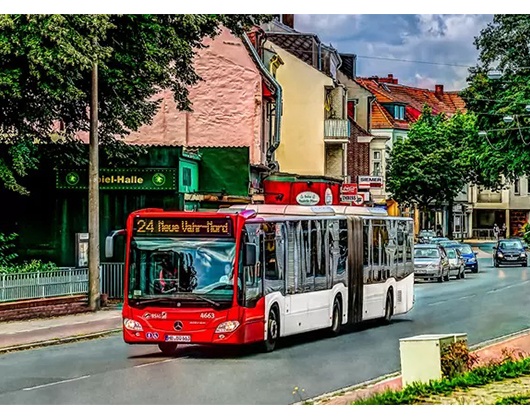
[251, 275]
[343, 252]
[409, 243]
[321, 268]
[273, 280]
[306, 257]
[367, 245]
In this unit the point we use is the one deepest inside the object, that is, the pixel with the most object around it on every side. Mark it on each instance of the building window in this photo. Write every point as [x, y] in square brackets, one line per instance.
[396, 110]
[186, 177]
[528, 186]
[516, 189]
[376, 163]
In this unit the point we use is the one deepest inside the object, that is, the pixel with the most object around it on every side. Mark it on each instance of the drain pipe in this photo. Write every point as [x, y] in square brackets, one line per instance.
[276, 140]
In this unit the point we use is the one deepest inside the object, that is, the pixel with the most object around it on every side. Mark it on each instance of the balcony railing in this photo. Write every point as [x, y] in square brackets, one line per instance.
[336, 129]
[489, 197]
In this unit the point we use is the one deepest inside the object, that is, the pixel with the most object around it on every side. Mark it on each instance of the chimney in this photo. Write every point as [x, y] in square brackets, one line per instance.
[439, 90]
[287, 20]
[388, 79]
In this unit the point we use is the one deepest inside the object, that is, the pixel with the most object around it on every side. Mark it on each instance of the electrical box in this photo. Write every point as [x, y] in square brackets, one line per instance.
[421, 356]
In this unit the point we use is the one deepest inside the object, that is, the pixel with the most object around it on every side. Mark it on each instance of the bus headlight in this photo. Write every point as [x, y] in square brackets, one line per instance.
[133, 325]
[226, 327]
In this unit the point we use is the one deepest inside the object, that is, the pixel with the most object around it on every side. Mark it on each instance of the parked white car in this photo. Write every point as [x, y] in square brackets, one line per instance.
[457, 263]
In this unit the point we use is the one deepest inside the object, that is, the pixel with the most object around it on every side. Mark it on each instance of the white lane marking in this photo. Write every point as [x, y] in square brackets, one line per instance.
[437, 303]
[466, 297]
[56, 383]
[153, 363]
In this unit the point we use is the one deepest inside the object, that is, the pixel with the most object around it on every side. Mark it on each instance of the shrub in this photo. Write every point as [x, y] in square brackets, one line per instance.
[29, 267]
[7, 255]
[457, 359]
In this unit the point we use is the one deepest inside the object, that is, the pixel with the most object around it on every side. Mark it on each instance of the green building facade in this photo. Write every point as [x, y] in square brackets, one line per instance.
[50, 219]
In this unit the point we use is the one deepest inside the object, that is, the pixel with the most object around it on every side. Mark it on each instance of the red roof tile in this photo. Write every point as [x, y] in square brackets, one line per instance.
[414, 99]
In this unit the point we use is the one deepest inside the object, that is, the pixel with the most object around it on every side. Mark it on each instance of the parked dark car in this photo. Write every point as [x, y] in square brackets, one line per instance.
[430, 261]
[509, 252]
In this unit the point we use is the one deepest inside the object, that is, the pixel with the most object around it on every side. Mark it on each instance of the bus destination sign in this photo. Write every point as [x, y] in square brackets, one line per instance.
[183, 227]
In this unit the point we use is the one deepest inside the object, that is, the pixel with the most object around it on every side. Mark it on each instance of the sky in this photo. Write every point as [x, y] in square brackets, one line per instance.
[446, 39]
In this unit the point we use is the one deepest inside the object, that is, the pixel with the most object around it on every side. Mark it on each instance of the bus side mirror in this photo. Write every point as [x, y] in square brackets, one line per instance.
[250, 254]
[109, 242]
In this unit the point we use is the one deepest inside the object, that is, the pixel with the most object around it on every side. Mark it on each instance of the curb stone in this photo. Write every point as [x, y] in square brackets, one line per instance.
[331, 394]
[384, 378]
[57, 341]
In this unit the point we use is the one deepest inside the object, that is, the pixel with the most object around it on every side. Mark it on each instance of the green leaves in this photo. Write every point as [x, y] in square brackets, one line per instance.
[434, 162]
[502, 45]
[45, 76]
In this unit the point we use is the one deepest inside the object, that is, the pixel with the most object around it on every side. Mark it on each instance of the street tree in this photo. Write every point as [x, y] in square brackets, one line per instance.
[45, 79]
[504, 147]
[434, 162]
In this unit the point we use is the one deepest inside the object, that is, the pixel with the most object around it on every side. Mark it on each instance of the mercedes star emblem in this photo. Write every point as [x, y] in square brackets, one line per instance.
[177, 325]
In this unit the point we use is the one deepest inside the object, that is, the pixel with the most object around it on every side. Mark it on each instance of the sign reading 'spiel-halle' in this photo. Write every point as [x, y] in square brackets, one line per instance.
[119, 179]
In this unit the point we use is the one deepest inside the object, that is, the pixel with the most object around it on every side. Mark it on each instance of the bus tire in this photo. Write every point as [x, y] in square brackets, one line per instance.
[336, 317]
[273, 330]
[389, 307]
[168, 349]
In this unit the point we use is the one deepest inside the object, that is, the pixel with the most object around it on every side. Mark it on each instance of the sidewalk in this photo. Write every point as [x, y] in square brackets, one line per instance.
[490, 350]
[19, 335]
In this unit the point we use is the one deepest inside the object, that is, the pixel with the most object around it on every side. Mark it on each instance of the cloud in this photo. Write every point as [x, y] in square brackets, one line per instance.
[445, 39]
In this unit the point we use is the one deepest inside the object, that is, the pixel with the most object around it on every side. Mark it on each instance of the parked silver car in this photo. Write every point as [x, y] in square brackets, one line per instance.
[430, 261]
[457, 263]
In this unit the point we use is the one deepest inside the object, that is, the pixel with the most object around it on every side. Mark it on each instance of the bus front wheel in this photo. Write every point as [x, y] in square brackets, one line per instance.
[168, 349]
[273, 330]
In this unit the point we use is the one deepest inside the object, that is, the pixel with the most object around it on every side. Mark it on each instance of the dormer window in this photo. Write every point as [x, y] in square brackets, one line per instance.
[396, 110]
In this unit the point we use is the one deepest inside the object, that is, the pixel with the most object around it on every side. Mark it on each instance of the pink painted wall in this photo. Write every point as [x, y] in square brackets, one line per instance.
[226, 104]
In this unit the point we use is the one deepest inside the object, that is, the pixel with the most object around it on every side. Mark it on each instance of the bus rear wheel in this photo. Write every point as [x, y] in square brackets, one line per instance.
[389, 307]
[273, 331]
[168, 349]
[336, 318]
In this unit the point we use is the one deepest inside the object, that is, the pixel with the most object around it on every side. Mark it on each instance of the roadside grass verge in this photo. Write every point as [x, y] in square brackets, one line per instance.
[494, 371]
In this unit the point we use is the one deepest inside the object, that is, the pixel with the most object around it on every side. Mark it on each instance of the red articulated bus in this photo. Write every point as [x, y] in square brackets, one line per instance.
[255, 273]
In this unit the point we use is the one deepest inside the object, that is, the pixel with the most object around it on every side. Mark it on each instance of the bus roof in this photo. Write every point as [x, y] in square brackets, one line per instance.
[285, 210]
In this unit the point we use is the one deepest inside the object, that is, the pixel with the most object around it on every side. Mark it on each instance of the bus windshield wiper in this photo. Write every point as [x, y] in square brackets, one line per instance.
[173, 298]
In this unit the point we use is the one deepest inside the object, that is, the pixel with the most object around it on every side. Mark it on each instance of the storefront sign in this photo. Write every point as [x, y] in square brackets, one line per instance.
[356, 200]
[349, 189]
[119, 179]
[328, 197]
[144, 226]
[307, 198]
[366, 182]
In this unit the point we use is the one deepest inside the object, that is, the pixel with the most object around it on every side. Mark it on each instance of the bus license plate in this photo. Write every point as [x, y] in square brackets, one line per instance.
[179, 338]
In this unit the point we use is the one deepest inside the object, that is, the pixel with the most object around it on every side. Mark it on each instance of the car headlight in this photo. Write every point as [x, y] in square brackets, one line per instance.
[472, 260]
[500, 255]
[133, 325]
[523, 254]
[226, 327]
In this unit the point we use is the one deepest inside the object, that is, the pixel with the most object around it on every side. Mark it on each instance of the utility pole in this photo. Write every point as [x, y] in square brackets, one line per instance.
[93, 197]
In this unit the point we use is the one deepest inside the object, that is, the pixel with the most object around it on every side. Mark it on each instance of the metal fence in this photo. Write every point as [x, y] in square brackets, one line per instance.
[63, 282]
[111, 278]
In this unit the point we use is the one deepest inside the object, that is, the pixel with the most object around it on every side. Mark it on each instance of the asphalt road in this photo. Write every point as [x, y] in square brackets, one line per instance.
[486, 305]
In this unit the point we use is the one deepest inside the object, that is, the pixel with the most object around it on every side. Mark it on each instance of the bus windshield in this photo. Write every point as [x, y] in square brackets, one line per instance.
[185, 268]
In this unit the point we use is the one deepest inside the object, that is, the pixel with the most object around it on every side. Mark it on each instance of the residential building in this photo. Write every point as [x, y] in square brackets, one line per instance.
[315, 128]
[395, 107]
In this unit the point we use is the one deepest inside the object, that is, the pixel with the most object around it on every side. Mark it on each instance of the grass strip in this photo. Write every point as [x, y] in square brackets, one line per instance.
[476, 377]
[523, 399]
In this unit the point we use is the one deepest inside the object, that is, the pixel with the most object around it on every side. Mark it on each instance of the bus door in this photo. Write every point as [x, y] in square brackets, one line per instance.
[357, 255]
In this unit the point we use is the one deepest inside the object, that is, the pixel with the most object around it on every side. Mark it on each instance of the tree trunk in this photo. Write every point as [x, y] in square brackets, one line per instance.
[450, 226]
